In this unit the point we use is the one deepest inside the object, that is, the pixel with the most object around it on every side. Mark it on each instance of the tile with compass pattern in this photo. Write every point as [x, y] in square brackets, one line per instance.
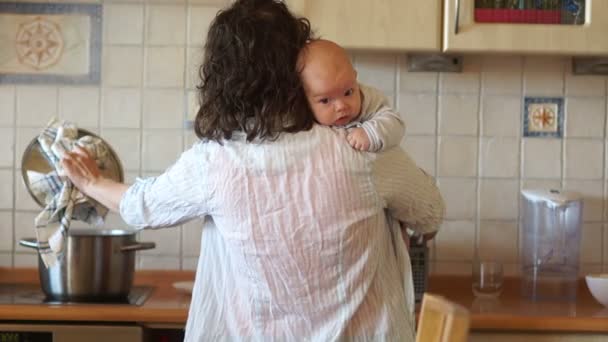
[543, 117]
[50, 42]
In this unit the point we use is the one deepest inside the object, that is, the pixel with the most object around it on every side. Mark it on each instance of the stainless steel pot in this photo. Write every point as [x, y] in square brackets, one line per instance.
[97, 265]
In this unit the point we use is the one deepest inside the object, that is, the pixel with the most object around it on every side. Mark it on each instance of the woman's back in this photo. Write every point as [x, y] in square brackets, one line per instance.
[300, 247]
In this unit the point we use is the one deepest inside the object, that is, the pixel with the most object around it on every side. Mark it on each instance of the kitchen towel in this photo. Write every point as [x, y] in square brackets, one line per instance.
[64, 202]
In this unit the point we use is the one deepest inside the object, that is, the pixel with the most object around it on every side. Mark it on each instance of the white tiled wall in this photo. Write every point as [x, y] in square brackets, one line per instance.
[464, 128]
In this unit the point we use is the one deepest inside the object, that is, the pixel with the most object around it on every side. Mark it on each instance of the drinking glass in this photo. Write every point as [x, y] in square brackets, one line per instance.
[487, 278]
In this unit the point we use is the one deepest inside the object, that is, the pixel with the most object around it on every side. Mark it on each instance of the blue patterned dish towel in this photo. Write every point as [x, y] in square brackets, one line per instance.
[64, 202]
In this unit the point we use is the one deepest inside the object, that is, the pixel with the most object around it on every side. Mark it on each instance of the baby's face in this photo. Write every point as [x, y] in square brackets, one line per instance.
[333, 94]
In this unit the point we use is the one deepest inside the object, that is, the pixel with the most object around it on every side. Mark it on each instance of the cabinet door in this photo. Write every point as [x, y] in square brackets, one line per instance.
[461, 33]
[375, 24]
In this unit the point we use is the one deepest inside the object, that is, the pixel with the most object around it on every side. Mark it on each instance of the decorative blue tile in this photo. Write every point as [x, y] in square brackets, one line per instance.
[50, 43]
[543, 117]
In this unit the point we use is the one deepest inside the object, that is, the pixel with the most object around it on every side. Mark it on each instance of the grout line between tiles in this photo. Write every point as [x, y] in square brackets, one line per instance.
[477, 231]
[522, 109]
[437, 149]
[14, 175]
[184, 116]
[605, 189]
[144, 54]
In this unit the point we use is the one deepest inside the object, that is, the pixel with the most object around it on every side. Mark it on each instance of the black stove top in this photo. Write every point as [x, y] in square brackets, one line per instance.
[18, 293]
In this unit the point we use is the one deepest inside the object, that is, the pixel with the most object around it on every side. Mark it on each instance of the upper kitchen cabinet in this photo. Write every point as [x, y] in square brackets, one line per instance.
[412, 25]
[568, 27]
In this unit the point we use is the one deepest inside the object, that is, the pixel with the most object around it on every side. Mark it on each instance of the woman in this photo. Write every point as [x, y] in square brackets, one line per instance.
[300, 248]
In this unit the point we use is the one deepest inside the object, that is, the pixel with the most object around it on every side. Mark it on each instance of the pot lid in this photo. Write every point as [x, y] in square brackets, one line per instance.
[552, 196]
[33, 160]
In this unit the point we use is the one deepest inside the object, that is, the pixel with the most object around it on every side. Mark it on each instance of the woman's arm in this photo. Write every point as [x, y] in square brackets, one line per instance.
[410, 195]
[85, 175]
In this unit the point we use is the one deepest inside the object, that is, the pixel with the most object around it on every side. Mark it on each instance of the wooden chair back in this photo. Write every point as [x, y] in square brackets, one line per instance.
[442, 320]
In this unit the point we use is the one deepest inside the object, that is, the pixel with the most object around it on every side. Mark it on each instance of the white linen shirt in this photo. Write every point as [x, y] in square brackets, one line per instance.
[299, 247]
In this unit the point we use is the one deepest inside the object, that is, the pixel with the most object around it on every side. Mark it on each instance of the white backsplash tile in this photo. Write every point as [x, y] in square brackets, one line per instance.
[164, 67]
[6, 184]
[586, 117]
[591, 243]
[7, 146]
[458, 115]
[6, 259]
[167, 241]
[166, 24]
[193, 62]
[191, 237]
[193, 105]
[24, 228]
[502, 83]
[164, 108]
[498, 240]
[161, 148]
[419, 111]
[546, 184]
[556, 65]
[23, 199]
[593, 198]
[25, 260]
[460, 83]
[377, 70]
[585, 85]
[122, 66]
[24, 136]
[36, 105]
[79, 105]
[189, 263]
[501, 116]
[121, 108]
[542, 158]
[456, 241]
[416, 82]
[154, 262]
[123, 23]
[457, 157]
[6, 231]
[422, 150]
[587, 152]
[127, 145]
[500, 157]
[498, 199]
[7, 105]
[200, 18]
[460, 196]
[544, 83]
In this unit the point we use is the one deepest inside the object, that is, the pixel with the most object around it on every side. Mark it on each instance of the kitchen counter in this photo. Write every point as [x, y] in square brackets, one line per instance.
[512, 312]
[166, 305]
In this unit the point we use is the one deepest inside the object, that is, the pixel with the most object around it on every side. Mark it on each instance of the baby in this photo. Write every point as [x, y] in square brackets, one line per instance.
[337, 99]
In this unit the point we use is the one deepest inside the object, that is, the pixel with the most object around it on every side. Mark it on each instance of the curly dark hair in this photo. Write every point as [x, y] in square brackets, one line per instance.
[249, 79]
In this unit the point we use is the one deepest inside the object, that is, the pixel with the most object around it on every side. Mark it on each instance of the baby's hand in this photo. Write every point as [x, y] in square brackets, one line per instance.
[358, 139]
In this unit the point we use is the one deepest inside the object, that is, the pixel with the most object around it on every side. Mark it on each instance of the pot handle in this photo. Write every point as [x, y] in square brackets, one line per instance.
[29, 243]
[138, 247]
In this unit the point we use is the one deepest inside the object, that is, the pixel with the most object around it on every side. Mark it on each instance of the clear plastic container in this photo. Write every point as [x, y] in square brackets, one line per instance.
[551, 236]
